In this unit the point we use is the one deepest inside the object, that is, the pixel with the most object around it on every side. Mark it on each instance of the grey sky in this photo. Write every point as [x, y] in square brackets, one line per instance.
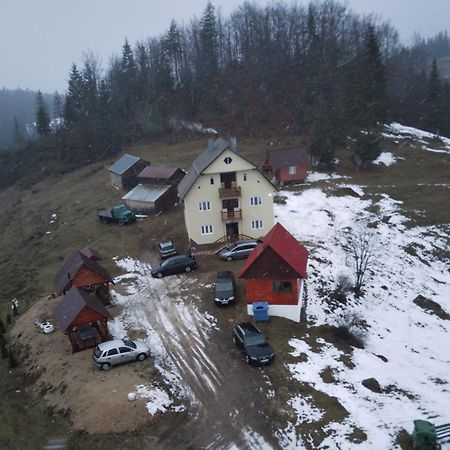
[39, 39]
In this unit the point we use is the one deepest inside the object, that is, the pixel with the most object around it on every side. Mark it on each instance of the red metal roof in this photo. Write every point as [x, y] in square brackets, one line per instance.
[158, 172]
[284, 245]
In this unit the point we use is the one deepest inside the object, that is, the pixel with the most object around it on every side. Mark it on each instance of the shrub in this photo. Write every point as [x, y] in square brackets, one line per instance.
[2, 327]
[350, 330]
[12, 362]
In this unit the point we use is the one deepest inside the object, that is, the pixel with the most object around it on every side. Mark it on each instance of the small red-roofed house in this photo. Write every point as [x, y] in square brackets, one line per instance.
[275, 272]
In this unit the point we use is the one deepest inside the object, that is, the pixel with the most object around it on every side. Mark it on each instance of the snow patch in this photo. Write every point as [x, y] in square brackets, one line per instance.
[386, 158]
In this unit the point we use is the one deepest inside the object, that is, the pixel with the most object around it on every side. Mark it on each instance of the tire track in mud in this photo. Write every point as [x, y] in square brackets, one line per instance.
[222, 414]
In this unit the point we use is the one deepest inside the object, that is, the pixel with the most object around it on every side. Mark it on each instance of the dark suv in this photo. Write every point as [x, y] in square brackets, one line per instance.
[253, 343]
[174, 264]
[225, 288]
[238, 250]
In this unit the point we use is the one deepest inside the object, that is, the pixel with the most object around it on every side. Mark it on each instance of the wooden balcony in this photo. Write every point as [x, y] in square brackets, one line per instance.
[233, 191]
[232, 214]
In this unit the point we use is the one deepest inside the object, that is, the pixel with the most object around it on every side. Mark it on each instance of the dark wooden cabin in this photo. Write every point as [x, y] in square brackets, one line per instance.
[86, 273]
[287, 164]
[83, 318]
[157, 175]
[274, 273]
[124, 172]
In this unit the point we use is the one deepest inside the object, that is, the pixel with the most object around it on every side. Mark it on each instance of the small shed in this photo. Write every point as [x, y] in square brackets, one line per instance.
[83, 272]
[125, 171]
[274, 273]
[156, 175]
[83, 318]
[151, 199]
[287, 164]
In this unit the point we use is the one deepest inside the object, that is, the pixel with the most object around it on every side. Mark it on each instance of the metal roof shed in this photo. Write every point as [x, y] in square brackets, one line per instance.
[150, 198]
[125, 170]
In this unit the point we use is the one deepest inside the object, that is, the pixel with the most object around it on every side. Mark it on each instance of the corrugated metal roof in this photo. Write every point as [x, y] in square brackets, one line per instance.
[146, 193]
[123, 164]
[200, 164]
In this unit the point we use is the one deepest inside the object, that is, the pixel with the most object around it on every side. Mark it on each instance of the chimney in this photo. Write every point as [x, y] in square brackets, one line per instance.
[233, 144]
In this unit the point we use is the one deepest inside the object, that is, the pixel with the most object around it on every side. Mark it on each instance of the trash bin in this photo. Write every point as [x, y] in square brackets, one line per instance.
[261, 311]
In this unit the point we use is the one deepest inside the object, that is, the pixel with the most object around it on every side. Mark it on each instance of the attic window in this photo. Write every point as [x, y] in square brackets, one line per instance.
[227, 160]
[211, 180]
[245, 177]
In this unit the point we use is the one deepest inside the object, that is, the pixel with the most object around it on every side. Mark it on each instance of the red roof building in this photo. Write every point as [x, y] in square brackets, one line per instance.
[275, 271]
[287, 164]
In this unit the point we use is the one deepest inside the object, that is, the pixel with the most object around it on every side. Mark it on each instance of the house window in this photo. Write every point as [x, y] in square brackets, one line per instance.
[257, 224]
[207, 229]
[292, 170]
[204, 206]
[227, 160]
[245, 177]
[211, 180]
[255, 201]
[282, 286]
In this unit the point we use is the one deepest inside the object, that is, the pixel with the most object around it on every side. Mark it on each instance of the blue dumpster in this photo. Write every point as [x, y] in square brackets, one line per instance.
[261, 311]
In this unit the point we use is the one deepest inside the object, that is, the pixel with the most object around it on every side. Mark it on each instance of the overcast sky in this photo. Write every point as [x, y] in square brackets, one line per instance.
[39, 39]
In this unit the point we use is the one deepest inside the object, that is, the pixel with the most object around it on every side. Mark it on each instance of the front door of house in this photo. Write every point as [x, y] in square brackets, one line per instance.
[232, 230]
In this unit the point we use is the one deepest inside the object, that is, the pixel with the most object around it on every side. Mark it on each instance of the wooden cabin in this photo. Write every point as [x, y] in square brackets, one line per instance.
[287, 164]
[157, 175]
[124, 172]
[83, 318]
[274, 273]
[83, 272]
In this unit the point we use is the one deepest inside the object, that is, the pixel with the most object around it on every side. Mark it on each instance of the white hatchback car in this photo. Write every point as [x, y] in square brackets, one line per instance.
[119, 351]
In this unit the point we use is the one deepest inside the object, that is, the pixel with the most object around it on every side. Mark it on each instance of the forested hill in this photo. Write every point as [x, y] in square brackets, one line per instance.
[318, 70]
[17, 114]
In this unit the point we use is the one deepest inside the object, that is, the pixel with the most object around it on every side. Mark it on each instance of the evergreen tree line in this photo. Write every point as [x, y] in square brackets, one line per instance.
[320, 70]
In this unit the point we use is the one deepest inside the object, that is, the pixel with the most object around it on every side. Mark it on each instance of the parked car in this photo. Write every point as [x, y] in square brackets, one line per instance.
[118, 214]
[253, 343]
[119, 351]
[225, 288]
[166, 249]
[174, 264]
[238, 250]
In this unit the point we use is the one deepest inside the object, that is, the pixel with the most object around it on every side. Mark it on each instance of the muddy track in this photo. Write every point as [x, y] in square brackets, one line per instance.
[223, 393]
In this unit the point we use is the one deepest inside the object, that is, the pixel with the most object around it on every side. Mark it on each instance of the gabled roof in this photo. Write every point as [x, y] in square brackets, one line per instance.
[146, 193]
[207, 157]
[73, 303]
[71, 267]
[160, 172]
[283, 157]
[288, 250]
[91, 253]
[123, 164]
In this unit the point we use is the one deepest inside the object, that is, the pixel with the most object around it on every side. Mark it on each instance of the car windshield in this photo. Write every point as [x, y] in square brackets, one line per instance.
[166, 245]
[167, 262]
[223, 286]
[129, 343]
[97, 352]
[121, 209]
[257, 339]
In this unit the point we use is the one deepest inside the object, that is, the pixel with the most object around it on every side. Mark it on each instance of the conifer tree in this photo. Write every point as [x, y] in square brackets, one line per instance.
[19, 140]
[42, 116]
[370, 87]
[72, 105]
[434, 105]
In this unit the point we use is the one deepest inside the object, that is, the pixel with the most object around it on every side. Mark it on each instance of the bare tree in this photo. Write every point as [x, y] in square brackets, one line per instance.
[361, 248]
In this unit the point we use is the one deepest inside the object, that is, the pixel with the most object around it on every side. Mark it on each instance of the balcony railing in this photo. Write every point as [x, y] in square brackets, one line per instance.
[233, 191]
[230, 214]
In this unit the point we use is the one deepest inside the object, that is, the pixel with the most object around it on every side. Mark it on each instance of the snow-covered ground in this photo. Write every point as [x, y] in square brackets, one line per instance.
[313, 177]
[410, 339]
[386, 158]
[397, 132]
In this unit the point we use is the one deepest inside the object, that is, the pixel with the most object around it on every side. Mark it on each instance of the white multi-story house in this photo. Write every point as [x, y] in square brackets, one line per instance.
[225, 196]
